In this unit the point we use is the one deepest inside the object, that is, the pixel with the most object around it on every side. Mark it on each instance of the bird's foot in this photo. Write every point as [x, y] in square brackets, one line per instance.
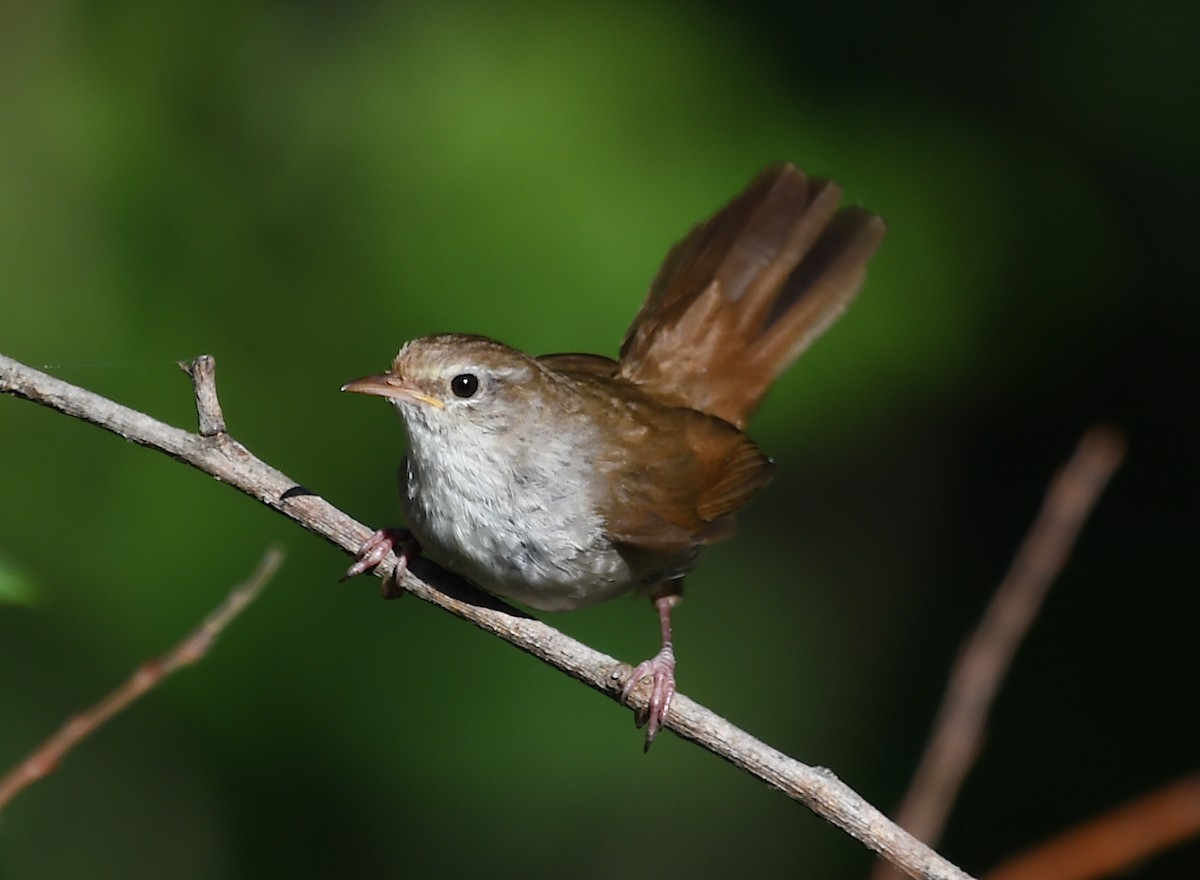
[661, 670]
[376, 549]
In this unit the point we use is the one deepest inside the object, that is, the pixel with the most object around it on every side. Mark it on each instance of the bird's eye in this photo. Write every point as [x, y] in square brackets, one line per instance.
[464, 384]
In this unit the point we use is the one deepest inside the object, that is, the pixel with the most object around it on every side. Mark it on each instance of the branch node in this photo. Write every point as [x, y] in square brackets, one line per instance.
[203, 371]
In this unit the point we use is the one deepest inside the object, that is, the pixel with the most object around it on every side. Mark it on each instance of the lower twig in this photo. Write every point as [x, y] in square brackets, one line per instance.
[46, 757]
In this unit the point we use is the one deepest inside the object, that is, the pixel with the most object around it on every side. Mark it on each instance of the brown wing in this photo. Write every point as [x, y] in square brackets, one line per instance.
[747, 291]
[703, 471]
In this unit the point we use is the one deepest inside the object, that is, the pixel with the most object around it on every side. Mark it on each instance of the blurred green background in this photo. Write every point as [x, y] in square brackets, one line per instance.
[299, 188]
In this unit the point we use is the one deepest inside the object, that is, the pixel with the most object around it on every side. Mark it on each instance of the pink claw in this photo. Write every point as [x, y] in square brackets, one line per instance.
[661, 667]
[376, 549]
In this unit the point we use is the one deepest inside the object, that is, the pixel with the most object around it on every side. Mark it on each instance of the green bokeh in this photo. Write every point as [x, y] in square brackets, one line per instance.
[15, 587]
[299, 188]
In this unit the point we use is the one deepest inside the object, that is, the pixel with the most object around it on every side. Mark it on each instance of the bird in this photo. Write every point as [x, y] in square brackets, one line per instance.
[564, 480]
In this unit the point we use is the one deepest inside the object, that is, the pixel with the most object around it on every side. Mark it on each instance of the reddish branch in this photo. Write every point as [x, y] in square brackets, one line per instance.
[50, 753]
[1113, 843]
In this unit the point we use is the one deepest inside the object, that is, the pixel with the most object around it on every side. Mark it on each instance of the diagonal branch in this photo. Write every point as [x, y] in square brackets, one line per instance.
[49, 754]
[979, 670]
[220, 456]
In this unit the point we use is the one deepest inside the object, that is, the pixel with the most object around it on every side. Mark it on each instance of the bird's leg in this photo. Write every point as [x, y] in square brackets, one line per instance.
[660, 668]
[376, 548]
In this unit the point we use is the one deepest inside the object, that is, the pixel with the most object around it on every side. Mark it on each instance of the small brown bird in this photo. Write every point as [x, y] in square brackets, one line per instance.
[565, 480]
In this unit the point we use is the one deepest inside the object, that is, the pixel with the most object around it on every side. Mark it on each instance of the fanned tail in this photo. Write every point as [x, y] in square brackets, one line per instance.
[747, 291]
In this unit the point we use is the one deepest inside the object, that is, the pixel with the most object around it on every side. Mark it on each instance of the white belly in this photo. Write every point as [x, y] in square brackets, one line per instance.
[525, 529]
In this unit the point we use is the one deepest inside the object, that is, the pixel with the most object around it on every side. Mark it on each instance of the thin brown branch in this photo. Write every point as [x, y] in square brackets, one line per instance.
[985, 658]
[1113, 843]
[227, 460]
[47, 756]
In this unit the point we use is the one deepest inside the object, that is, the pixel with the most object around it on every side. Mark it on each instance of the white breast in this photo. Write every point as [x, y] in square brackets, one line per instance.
[513, 514]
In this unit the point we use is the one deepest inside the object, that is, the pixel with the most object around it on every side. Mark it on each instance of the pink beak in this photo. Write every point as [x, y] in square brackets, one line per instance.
[392, 386]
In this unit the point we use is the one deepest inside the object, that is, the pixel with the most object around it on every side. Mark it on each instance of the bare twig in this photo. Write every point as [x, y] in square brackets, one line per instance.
[1113, 843]
[227, 460]
[46, 757]
[958, 729]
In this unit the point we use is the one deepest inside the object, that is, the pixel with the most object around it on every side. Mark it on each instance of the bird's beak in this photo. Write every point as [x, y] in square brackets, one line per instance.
[392, 386]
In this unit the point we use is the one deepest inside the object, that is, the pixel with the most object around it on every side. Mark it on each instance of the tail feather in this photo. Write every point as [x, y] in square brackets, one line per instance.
[747, 291]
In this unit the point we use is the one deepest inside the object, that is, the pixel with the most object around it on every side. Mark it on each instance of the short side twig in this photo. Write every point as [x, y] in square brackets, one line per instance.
[203, 371]
[1111, 844]
[958, 729]
[49, 754]
[229, 461]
